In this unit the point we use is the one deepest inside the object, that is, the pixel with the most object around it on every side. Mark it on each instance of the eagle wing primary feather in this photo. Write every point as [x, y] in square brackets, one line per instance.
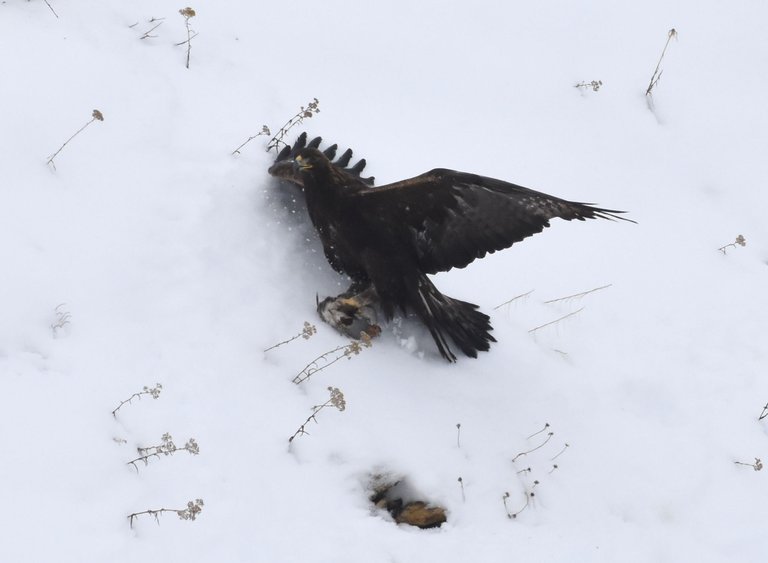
[453, 218]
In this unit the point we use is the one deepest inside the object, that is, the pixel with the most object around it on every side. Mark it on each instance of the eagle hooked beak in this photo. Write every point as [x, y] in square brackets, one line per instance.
[301, 164]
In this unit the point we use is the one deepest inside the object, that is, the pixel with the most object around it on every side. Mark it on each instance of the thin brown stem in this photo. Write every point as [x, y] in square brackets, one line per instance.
[521, 454]
[546, 425]
[147, 33]
[657, 72]
[576, 295]
[264, 131]
[51, 8]
[556, 320]
[54, 155]
[526, 294]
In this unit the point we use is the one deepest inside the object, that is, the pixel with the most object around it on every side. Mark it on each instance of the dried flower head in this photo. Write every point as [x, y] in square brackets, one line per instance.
[187, 12]
[741, 241]
[192, 510]
[155, 391]
[192, 447]
[312, 108]
[337, 398]
[97, 115]
[309, 330]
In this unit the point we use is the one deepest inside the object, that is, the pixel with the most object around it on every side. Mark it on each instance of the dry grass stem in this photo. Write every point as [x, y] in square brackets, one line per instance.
[526, 294]
[577, 295]
[521, 454]
[757, 466]
[188, 13]
[96, 115]
[264, 131]
[154, 392]
[594, 85]
[306, 334]
[657, 72]
[312, 108]
[191, 512]
[51, 8]
[557, 320]
[740, 241]
[331, 357]
[167, 447]
[336, 400]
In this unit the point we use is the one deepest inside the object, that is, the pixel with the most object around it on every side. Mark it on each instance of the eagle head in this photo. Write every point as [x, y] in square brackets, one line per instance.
[310, 159]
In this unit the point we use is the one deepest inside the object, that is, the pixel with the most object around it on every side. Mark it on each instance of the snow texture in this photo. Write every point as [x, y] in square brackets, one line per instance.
[179, 263]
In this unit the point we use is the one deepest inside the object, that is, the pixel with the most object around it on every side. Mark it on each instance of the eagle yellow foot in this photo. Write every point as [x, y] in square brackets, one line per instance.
[351, 315]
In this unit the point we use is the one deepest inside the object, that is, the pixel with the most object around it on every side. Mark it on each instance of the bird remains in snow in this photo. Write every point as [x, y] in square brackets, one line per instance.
[388, 239]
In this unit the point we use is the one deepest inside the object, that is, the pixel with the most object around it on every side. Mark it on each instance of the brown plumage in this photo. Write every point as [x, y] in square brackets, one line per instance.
[387, 239]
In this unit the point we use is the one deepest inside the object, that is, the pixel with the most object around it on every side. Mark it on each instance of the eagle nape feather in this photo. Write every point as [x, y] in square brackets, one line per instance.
[388, 239]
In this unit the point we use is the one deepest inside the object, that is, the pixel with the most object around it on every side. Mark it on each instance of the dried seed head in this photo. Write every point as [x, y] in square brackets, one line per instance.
[741, 241]
[192, 447]
[187, 12]
[309, 330]
[337, 398]
[97, 115]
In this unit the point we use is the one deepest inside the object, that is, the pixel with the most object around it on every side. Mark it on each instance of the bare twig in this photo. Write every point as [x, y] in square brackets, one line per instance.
[306, 334]
[312, 108]
[154, 391]
[191, 512]
[594, 85]
[576, 295]
[557, 320]
[461, 484]
[51, 7]
[764, 413]
[95, 116]
[526, 294]
[264, 131]
[657, 72]
[336, 400]
[166, 448]
[458, 434]
[188, 13]
[352, 349]
[740, 240]
[757, 466]
[148, 32]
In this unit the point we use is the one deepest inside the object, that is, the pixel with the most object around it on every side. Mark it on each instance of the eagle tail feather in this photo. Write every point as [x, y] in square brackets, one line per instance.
[448, 318]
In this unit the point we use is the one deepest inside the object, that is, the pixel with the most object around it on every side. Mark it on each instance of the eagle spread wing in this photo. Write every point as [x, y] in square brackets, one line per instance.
[387, 239]
[454, 218]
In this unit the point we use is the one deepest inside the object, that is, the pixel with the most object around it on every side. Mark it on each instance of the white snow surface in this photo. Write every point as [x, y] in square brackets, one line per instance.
[179, 264]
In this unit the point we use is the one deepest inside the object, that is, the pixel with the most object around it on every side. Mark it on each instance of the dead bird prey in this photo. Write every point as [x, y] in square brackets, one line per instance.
[388, 239]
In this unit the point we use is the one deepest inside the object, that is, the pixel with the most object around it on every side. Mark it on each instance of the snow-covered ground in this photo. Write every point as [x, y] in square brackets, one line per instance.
[175, 262]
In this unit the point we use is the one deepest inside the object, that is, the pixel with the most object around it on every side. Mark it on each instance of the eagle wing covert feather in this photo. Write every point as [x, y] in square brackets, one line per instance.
[454, 217]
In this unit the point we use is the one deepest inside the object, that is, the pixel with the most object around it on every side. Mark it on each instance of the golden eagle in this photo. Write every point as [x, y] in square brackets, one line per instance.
[388, 239]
